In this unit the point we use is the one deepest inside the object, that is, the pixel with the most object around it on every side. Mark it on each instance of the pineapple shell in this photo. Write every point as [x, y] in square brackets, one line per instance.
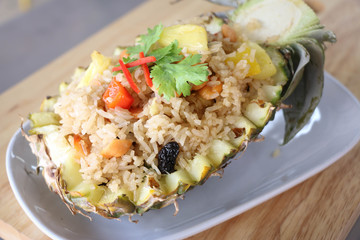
[298, 60]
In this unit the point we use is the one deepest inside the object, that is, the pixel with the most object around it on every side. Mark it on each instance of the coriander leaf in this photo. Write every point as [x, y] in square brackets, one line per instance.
[128, 59]
[163, 81]
[191, 59]
[146, 41]
[169, 78]
[168, 54]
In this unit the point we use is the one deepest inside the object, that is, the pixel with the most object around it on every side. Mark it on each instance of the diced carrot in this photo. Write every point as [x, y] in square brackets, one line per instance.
[80, 146]
[117, 148]
[228, 32]
[117, 95]
[178, 95]
[198, 87]
[210, 92]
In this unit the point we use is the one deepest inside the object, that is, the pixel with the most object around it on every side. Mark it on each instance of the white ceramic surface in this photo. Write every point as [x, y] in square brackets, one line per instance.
[247, 182]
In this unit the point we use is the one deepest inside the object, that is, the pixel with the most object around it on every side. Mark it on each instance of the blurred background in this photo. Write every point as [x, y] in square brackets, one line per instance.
[35, 32]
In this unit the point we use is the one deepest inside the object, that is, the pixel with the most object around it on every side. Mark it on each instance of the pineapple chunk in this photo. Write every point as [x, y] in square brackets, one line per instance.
[244, 127]
[246, 55]
[144, 194]
[238, 141]
[115, 201]
[214, 26]
[91, 192]
[40, 119]
[57, 145]
[189, 36]
[218, 151]
[176, 180]
[47, 104]
[62, 154]
[261, 67]
[242, 122]
[47, 129]
[282, 71]
[109, 196]
[267, 67]
[70, 173]
[272, 93]
[77, 73]
[199, 168]
[146, 190]
[75, 184]
[62, 87]
[97, 66]
[259, 112]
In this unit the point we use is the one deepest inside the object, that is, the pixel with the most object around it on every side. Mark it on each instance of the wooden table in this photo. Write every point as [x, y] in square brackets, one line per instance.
[323, 207]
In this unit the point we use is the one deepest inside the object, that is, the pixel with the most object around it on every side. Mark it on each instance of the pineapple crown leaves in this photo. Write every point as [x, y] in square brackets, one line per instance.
[304, 89]
[304, 45]
[306, 94]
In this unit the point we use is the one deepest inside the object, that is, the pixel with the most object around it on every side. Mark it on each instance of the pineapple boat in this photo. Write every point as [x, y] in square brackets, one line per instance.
[135, 131]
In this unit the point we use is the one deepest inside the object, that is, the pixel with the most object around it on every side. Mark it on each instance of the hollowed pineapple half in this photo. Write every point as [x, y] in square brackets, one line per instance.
[292, 60]
[58, 160]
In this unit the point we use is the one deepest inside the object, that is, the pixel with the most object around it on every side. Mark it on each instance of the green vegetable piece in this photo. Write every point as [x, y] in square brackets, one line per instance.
[169, 78]
[40, 119]
[146, 41]
[169, 54]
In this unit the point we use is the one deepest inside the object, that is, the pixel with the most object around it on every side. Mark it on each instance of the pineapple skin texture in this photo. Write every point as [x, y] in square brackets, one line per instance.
[67, 182]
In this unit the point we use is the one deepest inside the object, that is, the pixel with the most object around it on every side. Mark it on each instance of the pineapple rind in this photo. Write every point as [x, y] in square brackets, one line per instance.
[174, 185]
[259, 112]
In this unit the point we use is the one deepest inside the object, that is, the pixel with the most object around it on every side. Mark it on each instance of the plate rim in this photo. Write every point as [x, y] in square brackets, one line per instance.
[213, 221]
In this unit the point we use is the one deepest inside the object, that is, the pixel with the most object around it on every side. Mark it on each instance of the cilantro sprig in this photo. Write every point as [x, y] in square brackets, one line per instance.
[146, 41]
[169, 78]
[172, 72]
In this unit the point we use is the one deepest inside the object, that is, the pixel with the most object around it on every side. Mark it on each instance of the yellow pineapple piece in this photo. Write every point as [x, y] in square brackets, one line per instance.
[146, 190]
[261, 66]
[199, 168]
[267, 67]
[189, 36]
[97, 66]
[251, 61]
[71, 173]
[177, 179]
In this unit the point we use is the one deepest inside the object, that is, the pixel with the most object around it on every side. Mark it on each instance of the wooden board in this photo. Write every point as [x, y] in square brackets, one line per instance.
[325, 206]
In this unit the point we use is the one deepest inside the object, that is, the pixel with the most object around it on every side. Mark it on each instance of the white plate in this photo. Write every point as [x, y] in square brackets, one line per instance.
[256, 177]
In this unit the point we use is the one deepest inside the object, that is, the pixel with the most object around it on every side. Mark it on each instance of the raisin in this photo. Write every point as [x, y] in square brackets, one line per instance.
[167, 157]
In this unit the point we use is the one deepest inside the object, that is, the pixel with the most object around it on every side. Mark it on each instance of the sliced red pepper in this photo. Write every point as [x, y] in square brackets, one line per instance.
[146, 70]
[116, 95]
[128, 77]
[135, 63]
[141, 61]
